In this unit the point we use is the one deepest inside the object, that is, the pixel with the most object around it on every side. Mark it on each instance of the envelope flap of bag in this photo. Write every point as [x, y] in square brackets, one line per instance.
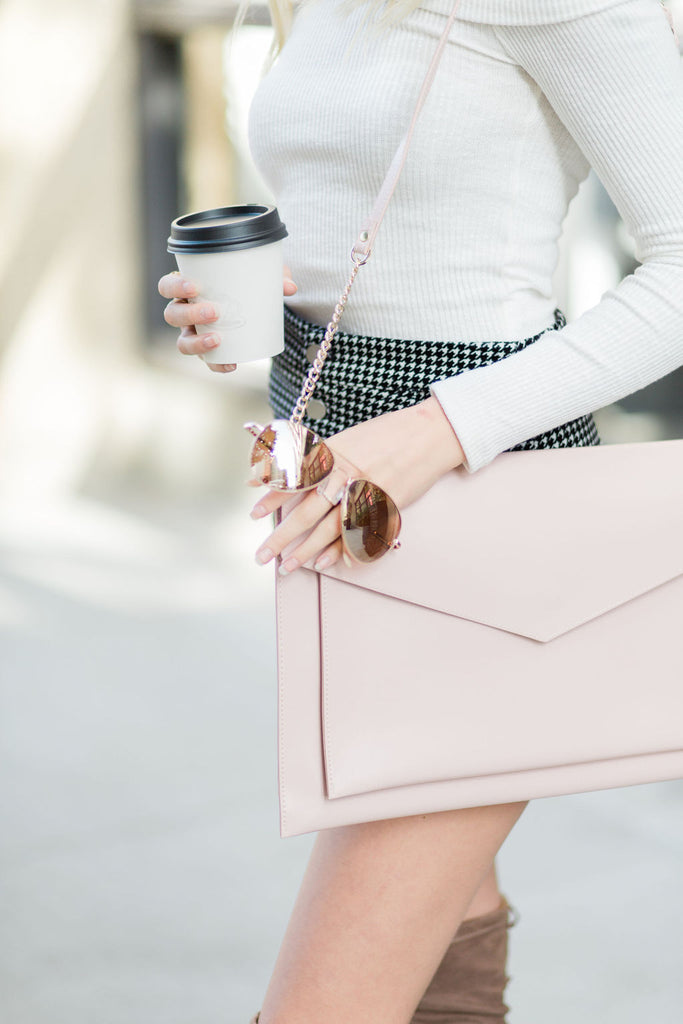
[539, 542]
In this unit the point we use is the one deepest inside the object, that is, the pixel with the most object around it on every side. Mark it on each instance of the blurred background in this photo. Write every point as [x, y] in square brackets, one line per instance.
[142, 877]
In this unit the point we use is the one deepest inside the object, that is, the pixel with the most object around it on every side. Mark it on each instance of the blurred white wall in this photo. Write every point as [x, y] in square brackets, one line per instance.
[84, 401]
[69, 239]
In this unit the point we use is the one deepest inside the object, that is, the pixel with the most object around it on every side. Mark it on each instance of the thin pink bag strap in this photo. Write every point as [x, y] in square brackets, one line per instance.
[362, 248]
[370, 228]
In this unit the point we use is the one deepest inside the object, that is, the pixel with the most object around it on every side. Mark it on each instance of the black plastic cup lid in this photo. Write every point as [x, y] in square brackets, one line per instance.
[226, 228]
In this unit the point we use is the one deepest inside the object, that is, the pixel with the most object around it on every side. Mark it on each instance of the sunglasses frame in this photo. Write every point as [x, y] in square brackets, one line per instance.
[304, 444]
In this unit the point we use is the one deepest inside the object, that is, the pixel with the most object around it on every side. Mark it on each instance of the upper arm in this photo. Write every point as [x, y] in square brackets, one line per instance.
[615, 79]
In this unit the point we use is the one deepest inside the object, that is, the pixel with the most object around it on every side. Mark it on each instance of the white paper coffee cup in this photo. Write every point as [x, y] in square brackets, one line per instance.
[234, 255]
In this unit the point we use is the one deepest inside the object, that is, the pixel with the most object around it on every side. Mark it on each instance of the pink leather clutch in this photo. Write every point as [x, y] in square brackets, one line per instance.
[534, 649]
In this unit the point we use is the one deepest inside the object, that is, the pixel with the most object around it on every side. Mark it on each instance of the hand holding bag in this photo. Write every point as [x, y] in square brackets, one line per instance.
[483, 669]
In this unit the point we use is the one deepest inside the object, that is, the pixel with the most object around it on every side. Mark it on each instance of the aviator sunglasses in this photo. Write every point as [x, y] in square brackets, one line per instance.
[287, 456]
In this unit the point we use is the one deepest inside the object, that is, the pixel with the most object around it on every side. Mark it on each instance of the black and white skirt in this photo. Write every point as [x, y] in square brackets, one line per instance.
[365, 377]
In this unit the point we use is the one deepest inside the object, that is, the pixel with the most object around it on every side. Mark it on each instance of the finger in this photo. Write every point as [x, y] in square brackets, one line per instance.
[320, 539]
[269, 503]
[175, 286]
[302, 518]
[184, 314]
[329, 556]
[220, 367]
[274, 499]
[192, 344]
[288, 285]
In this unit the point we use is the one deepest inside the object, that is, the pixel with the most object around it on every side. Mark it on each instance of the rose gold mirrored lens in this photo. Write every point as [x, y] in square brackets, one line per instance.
[371, 521]
[288, 457]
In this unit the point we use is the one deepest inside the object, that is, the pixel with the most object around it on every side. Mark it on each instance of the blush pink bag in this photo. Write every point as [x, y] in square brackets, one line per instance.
[502, 665]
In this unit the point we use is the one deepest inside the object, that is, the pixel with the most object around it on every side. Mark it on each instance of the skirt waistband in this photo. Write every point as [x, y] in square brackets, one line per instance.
[367, 376]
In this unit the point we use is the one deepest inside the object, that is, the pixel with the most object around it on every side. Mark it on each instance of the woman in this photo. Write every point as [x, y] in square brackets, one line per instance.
[402, 919]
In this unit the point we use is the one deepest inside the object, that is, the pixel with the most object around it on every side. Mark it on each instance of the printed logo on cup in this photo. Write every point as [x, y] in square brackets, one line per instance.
[232, 315]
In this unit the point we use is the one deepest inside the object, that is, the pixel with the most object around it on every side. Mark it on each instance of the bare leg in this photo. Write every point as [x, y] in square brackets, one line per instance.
[377, 908]
[487, 897]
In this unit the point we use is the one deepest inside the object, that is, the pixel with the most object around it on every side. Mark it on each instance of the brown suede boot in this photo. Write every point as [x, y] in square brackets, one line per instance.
[470, 981]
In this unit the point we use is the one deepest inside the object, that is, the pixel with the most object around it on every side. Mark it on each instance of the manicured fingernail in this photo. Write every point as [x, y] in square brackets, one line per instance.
[208, 313]
[263, 556]
[288, 280]
[289, 566]
[210, 341]
[323, 562]
[258, 511]
[189, 288]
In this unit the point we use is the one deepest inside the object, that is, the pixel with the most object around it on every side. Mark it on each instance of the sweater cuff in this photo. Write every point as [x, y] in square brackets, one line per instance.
[463, 408]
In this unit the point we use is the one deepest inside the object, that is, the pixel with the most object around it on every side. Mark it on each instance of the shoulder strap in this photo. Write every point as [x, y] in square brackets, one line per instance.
[362, 248]
[367, 234]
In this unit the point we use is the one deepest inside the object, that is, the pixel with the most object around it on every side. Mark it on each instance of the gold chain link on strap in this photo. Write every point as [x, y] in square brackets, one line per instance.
[321, 355]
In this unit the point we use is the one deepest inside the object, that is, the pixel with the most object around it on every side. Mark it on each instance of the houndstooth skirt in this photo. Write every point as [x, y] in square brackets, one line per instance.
[365, 377]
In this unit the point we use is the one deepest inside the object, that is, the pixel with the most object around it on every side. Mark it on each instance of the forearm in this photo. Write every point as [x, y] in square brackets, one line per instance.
[632, 337]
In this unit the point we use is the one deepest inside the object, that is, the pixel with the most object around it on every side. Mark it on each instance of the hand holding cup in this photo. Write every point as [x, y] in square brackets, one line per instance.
[185, 311]
[230, 262]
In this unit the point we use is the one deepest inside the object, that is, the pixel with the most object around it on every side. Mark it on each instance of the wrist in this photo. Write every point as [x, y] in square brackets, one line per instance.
[442, 434]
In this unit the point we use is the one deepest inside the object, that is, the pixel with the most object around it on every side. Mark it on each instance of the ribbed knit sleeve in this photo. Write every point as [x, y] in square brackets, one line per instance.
[615, 79]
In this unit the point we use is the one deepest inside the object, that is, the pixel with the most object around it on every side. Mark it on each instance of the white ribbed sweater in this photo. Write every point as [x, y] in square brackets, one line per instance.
[528, 95]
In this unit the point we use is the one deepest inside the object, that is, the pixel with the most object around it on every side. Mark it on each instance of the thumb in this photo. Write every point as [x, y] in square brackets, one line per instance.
[288, 285]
